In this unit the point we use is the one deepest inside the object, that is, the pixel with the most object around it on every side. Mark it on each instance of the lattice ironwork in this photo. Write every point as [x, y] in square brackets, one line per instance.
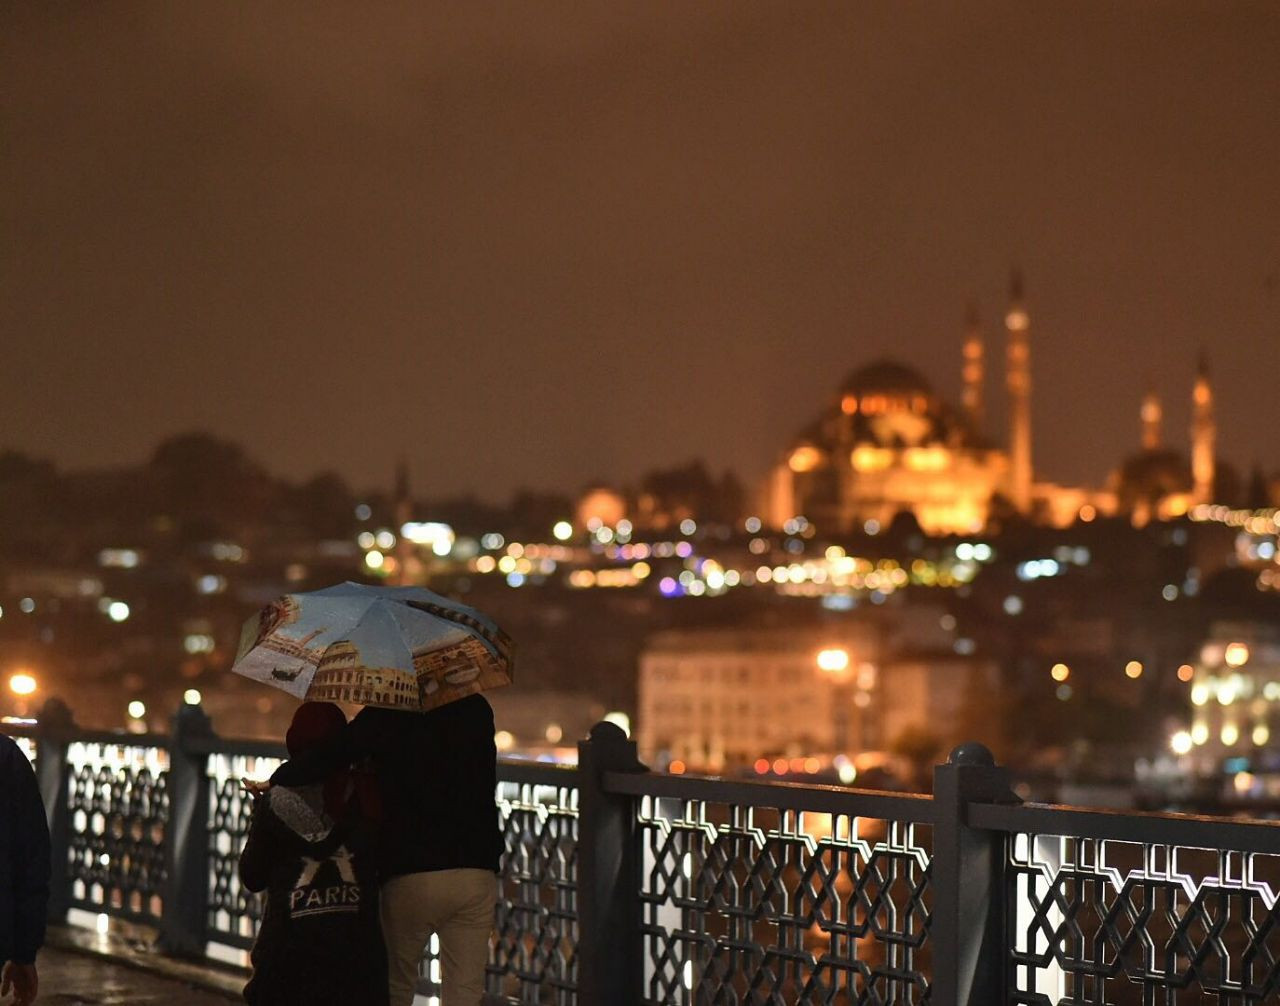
[119, 805]
[29, 747]
[1104, 921]
[756, 905]
[233, 912]
[533, 958]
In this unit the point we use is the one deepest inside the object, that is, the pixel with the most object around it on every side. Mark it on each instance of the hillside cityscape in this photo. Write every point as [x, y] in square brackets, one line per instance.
[899, 581]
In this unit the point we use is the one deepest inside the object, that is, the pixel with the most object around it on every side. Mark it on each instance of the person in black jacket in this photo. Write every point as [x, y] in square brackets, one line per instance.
[24, 874]
[310, 848]
[439, 844]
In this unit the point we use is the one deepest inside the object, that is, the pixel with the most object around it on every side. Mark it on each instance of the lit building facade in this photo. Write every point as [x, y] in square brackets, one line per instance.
[1235, 698]
[720, 699]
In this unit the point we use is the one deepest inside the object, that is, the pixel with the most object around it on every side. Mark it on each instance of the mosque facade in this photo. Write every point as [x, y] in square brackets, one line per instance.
[887, 443]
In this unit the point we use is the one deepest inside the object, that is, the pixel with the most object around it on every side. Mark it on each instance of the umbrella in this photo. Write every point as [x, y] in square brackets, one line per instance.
[396, 647]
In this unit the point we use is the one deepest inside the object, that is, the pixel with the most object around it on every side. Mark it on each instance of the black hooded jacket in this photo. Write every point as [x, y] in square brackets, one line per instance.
[24, 857]
[320, 941]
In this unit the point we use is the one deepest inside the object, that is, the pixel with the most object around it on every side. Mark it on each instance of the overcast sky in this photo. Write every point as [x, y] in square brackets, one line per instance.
[537, 243]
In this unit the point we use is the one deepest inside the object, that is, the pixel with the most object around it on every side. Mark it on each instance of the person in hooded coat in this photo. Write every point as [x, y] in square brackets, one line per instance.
[24, 874]
[310, 848]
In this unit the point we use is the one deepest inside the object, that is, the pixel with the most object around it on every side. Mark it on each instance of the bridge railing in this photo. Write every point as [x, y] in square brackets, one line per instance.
[1124, 908]
[624, 887]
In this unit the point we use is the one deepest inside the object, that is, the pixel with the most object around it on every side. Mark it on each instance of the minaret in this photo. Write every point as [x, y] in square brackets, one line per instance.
[971, 371]
[1152, 415]
[1017, 323]
[1203, 433]
[406, 555]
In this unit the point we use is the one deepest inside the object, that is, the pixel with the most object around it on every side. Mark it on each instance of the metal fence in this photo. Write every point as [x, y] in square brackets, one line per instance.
[622, 887]
[1133, 908]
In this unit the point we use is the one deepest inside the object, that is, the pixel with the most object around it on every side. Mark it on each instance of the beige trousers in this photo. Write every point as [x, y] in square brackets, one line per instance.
[457, 905]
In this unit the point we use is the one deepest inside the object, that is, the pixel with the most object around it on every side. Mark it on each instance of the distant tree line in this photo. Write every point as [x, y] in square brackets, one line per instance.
[196, 487]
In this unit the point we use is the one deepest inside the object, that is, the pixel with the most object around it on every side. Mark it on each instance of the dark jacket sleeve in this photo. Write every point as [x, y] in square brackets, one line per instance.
[30, 877]
[259, 850]
[346, 748]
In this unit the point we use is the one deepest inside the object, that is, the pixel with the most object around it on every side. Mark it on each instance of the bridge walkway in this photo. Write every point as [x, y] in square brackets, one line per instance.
[71, 977]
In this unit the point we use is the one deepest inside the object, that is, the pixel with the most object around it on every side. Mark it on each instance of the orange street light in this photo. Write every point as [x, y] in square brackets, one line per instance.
[833, 660]
[22, 683]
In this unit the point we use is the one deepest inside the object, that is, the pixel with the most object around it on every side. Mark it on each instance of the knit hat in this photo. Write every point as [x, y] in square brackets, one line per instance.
[313, 724]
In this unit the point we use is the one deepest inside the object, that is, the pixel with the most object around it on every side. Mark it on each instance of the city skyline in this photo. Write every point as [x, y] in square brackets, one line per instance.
[1154, 438]
[544, 250]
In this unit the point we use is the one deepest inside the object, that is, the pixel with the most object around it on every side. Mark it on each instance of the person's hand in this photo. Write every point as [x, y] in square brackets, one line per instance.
[23, 980]
[255, 787]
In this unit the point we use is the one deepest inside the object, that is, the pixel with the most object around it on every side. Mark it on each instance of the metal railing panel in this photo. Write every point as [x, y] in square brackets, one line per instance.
[1139, 908]
[118, 805]
[755, 902]
[534, 951]
[27, 745]
[233, 914]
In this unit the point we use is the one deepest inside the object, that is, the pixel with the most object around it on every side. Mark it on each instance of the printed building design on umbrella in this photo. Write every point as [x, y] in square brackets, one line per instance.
[342, 677]
[455, 671]
[284, 611]
[300, 649]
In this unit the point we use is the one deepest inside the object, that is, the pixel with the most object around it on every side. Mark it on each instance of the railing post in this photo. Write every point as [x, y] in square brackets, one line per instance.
[609, 949]
[53, 737]
[968, 932]
[183, 919]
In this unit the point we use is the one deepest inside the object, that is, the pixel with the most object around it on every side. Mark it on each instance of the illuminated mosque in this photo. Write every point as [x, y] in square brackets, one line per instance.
[888, 443]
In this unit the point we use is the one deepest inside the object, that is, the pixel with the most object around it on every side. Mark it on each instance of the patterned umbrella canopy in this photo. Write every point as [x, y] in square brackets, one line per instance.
[396, 647]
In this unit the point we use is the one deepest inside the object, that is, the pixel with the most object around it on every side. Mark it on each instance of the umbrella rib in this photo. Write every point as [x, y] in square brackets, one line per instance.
[498, 639]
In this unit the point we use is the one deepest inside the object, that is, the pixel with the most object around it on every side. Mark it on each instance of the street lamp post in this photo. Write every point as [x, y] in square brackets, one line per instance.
[835, 664]
[863, 684]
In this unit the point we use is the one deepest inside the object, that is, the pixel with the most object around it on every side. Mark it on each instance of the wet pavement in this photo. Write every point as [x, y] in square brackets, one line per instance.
[77, 979]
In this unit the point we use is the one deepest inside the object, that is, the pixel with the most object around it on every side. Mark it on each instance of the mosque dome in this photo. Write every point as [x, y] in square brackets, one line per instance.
[891, 405]
[1151, 476]
[889, 378]
[885, 405]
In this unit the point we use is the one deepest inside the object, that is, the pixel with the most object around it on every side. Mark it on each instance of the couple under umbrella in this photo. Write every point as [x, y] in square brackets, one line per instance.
[380, 831]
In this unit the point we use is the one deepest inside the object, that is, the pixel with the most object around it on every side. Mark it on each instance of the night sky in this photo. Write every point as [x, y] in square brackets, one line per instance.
[541, 244]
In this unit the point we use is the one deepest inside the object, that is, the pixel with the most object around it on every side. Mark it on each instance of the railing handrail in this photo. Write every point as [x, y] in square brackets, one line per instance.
[1191, 830]
[78, 735]
[914, 808]
[520, 770]
[114, 738]
[213, 744]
